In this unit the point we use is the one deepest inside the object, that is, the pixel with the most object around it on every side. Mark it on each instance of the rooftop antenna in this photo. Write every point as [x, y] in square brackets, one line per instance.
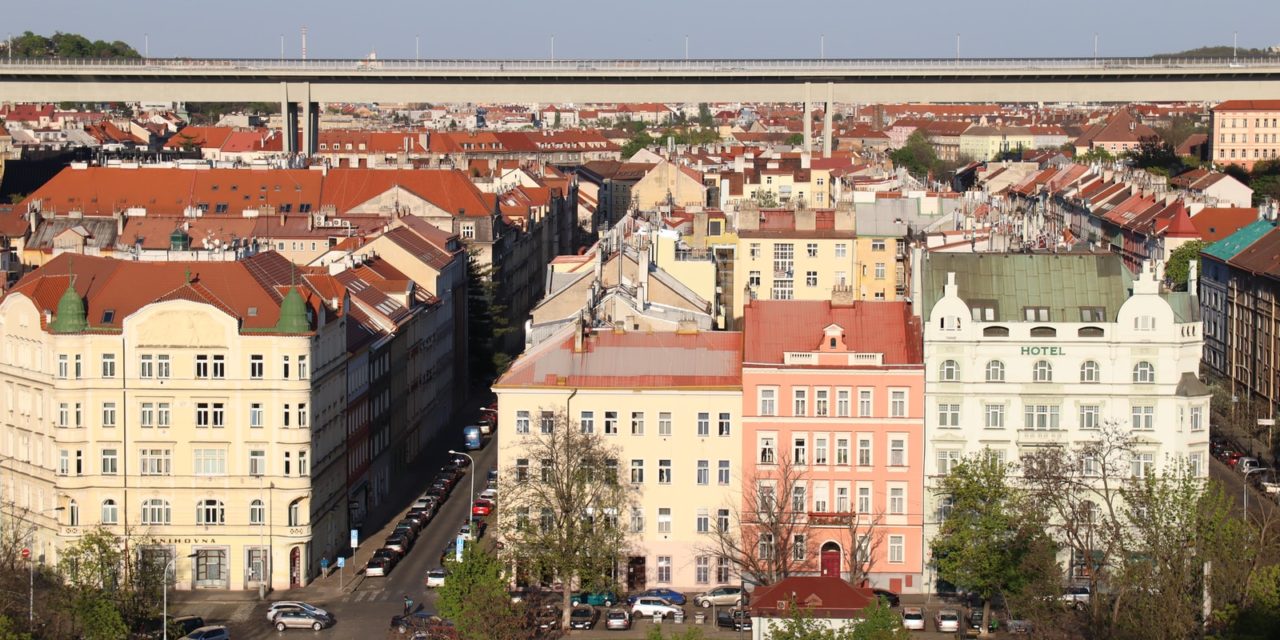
[282, 47]
[957, 47]
[304, 42]
[553, 47]
[822, 46]
[1235, 39]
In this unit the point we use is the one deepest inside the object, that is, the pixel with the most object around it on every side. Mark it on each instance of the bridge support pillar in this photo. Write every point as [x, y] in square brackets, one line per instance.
[808, 121]
[827, 133]
[310, 125]
[289, 126]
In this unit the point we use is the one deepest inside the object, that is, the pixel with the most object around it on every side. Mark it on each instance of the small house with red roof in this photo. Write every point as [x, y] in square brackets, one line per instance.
[830, 602]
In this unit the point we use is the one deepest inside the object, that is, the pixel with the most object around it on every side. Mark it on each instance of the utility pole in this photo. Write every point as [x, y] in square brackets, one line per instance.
[553, 47]
[416, 55]
[957, 47]
[1095, 48]
[686, 46]
[282, 47]
[1235, 39]
[822, 46]
[146, 46]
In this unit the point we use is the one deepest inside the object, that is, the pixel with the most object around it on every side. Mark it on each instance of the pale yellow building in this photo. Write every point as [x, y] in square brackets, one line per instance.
[988, 143]
[801, 254]
[670, 403]
[668, 183]
[175, 404]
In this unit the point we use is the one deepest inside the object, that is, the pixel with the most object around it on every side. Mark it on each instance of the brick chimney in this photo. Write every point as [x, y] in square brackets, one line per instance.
[842, 295]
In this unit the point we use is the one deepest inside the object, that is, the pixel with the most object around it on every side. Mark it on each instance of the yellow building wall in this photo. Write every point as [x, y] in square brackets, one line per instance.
[877, 270]
[833, 263]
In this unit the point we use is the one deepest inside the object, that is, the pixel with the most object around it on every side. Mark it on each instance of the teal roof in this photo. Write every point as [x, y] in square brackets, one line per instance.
[1010, 282]
[1227, 248]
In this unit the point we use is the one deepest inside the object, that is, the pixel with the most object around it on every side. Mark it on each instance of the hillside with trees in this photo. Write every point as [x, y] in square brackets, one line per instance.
[1224, 51]
[65, 45]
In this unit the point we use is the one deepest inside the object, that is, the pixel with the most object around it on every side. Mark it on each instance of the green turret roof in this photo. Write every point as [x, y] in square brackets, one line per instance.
[71, 316]
[293, 313]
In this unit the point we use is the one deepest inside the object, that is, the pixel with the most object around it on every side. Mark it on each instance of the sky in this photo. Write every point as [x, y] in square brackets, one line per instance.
[654, 28]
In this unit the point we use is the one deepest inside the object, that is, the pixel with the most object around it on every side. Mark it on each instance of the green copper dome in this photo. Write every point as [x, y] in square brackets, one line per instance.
[70, 317]
[293, 313]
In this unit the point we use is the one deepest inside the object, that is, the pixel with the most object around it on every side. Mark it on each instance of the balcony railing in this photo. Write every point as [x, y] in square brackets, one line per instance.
[1042, 436]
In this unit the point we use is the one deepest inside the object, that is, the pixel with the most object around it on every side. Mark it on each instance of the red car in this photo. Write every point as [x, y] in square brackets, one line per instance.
[481, 508]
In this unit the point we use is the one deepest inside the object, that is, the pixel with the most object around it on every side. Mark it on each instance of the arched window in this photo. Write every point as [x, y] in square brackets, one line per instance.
[110, 514]
[1042, 372]
[155, 511]
[257, 513]
[1144, 373]
[210, 512]
[995, 371]
[995, 332]
[1090, 372]
[1043, 332]
[73, 514]
[949, 371]
[295, 513]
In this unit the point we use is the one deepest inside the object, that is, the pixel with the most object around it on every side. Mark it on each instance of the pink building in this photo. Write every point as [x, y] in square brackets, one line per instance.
[835, 392]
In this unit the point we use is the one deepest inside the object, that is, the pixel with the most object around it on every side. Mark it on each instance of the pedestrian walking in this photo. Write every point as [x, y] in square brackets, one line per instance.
[408, 604]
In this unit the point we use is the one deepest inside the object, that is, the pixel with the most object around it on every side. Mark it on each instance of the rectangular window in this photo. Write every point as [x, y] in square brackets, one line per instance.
[1041, 417]
[897, 403]
[897, 500]
[842, 250]
[284, 367]
[821, 402]
[147, 415]
[946, 460]
[703, 521]
[64, 462]
[724, 426]
[210, 462]
[587, 421]
[303, 467]
[842, 499]
[219, 367]
[722, 473]
[702, 570]
[897, 545]
[664, 424]
[664, 564]
[108, 365]
[302, 414]
[1144, 464]
[303, 369]
[811, 278]
[995, 416]
[879, 271]
[637, 520]
[722, 520]
[146, 366]
[637, 423]
[257, 462]
[547, 422]
[797, 547]
[842, 403]
[798, 503]
[1090, 416]
[1197, 418]
[768, 401]
[800, 405]
[162, 414]
[864, 499]
[63, 366]
[799, 452]
[664, 472]
[1144, 417]
[842, 452]
[108, 414]
[811, 249]
[162, 367]
[204, 414]
[897, 452]
[877, 245]
[704, 425]
[110, 462]
[766, 450]
[155, 462]
[820, 450]
[202, 367]
[637, 472]
[522, 469]
[864, 403]
[256, 367]
[704, 472]
[864, 452]
[522, 422]
[948, 415]
[753, 278]
[611, 423]
[255, 415]
[664, 519]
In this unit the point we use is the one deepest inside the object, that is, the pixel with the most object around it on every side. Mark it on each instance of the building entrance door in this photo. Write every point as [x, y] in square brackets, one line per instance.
[635, 574]
[831, 560]
[295, 567]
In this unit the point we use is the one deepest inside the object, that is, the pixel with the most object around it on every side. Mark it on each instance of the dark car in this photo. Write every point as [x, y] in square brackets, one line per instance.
[450, 550]
[670, 595]
[583, 617]
[461, 460]
[890, 598]
[547, 617]
[390, 555]
[213, 632]
[439, 491]
[425, 514]
[418, 518]
[736, 619]
[378, 568]
[397, 542]
[596, 599]
[407, 530]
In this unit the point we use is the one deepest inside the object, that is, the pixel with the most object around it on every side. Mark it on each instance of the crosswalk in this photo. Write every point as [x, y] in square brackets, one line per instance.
[369, 596]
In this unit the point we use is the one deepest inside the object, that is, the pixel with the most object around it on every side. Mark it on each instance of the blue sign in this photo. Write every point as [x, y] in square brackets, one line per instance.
[457, 553]
[342, 562]
[355, 538]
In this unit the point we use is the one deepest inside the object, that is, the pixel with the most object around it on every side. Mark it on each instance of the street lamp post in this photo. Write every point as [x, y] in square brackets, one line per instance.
[472, 495]
[1244, 489]
[164, 616]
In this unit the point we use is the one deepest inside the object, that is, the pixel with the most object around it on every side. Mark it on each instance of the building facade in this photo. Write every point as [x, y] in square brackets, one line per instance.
[1245, 132]
[835, 391]
[1036, 350]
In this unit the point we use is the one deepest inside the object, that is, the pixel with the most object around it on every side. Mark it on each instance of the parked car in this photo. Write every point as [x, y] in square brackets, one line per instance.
[648, 607]
[1247, 464]
[461, 460]
[913, 618]
[389, 554]
[617, 620]
[377, 568]
[946, 621]
[185, 624]
[493, 475]
[547, 617]
[290, 605]
[406, 529]
[736, 619]
[417, 518]
[301, 619]
[450, 550]
[213, 632]
[670, 595]
[466, 533]
[596, 599]
[890, 598]
[721, 596]
[481, 507]
[435, 578]
[583, 616]
[975, 619]
[490, 494]
[1231, 458]
[1077, 596]
[397, 542]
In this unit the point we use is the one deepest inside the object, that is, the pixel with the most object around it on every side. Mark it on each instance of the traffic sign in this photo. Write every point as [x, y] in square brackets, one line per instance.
[26, 553]
[342, 562]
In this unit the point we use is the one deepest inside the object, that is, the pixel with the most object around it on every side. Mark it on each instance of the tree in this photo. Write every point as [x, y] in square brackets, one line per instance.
[762, 532]
[917, 155]
[865, 538]
[1156, 155]
[879, 622]
[97, 617]
[97, 564]
[487, 323]
[765, 198]
[795, 139]
[474, 597]
[704, 115]
[1096, 154]
[563, 520]
[8, 631]
[991, 532]
[1179, 266]
[66, 45]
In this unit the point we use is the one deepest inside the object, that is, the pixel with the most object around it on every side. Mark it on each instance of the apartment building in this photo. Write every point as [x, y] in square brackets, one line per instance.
[671, 403]
[173, 404]
[801, 254]
[1245, 132]
[835, 389]
[1240, 290]
[1034, 350]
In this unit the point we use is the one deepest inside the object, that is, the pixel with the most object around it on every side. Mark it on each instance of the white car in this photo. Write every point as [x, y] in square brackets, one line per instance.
[947, 621]
[435, 578]
[647, 607]
[277, 607]
[913, 618]
[489, 494]
[465, 532]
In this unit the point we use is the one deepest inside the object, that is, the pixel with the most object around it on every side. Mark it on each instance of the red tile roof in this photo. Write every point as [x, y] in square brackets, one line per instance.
[774, 327]
[821, 597]
[631, 361]
[1249, 105]
[1217, 223]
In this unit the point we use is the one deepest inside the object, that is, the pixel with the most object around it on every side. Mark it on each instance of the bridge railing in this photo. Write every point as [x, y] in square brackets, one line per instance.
[624, 66]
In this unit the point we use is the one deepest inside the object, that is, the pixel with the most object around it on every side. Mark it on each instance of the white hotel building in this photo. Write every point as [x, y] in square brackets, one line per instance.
[1029, 350]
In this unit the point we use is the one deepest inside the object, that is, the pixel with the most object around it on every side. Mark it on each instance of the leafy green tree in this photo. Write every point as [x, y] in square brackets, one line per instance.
[991, 531]
[66, 45]
[704, 115]
[765, 198]
[795, 139]
[1156, 156]
[474, 597]
[98, 618]
[688, 633]
[9, 631]
[1096, 154]
[487, 322]
[917, 155]
[879, 622]
[1179, 266]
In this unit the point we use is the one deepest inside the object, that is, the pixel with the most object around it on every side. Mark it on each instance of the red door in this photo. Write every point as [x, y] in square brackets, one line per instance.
[831, 563]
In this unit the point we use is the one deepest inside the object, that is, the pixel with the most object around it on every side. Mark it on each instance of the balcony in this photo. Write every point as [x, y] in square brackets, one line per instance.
[1042, 436]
